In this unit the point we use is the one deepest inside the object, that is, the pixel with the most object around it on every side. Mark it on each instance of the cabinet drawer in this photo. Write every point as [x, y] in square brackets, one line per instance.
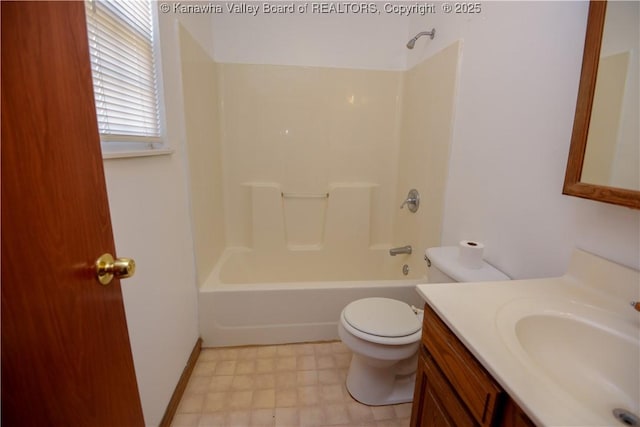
[471, 382]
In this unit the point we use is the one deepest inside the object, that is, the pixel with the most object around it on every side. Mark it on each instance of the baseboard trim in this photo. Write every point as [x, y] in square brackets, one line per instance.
[172, 407]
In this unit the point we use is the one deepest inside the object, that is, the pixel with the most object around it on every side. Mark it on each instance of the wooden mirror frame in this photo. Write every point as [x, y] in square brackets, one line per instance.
[590, 60]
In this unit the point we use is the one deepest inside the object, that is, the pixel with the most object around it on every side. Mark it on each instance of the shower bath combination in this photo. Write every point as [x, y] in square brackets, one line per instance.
[298, 252]
[412, 42]
[310, 256]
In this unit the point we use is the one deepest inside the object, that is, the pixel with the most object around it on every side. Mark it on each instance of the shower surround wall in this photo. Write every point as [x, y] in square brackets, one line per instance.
[292, 135]
[204, 140]
[315, 164]
[373, 136]
[426, 129]
[306, 158]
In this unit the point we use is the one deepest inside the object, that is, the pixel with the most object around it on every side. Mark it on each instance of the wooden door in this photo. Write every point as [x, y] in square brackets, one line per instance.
[66, 358]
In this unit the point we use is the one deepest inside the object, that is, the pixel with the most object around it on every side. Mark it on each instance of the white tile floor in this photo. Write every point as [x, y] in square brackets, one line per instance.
[284, 385]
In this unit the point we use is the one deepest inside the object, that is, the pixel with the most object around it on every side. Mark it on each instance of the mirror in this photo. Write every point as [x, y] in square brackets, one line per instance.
[604, 157]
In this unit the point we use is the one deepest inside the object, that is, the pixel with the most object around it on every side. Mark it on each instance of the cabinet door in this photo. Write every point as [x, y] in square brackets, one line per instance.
[433, 414]
[515, 417]
[435, 403]
[420, 396]
[473, 385]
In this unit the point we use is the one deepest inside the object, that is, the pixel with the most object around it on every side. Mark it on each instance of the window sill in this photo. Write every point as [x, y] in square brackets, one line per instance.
[125, 154]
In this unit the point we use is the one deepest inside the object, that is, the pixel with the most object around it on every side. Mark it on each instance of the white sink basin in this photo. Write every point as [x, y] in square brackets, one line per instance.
[591, 354]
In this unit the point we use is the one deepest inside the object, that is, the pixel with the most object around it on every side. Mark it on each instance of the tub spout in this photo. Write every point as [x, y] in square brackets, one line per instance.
[401, 250]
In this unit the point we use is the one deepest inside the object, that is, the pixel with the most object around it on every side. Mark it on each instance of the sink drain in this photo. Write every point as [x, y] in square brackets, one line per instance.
[626, 417]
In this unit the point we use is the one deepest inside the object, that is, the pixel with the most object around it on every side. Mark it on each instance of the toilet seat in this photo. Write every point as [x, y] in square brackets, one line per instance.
[382, 321]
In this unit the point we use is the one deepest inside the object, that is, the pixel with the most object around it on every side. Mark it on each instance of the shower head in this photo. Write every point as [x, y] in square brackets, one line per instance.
[412, 42]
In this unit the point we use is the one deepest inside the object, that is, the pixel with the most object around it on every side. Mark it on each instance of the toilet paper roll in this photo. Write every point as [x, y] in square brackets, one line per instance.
[471, 254]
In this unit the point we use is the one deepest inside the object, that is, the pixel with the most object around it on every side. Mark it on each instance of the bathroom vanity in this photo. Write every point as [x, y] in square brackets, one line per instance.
[452, 387]
[553, 351]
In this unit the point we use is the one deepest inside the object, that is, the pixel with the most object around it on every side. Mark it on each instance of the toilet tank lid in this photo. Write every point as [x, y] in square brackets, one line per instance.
[445, 258]
[383, 317]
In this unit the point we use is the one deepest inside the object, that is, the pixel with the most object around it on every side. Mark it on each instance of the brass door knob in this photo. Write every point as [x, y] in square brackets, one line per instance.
[107, 268]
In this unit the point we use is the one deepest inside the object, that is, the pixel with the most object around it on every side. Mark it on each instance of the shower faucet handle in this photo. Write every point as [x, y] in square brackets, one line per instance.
[412, 201]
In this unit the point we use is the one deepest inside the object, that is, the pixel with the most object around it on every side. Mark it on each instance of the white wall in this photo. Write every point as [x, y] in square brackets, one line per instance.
[371, 41]
[518, 85]
[151, 223]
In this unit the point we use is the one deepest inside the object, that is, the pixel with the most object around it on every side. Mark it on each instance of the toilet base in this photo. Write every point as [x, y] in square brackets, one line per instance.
[376, 386]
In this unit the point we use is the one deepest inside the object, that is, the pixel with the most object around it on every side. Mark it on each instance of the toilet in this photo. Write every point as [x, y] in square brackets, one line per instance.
[384, 334]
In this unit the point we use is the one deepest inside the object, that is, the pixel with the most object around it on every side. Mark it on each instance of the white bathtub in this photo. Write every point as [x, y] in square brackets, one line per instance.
[290, 296]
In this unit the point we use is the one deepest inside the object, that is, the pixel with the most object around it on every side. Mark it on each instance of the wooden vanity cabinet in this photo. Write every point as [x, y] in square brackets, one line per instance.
[513, 416]
[452, 387]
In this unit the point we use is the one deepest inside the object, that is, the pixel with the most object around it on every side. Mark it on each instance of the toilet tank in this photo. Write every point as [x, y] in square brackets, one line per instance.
[445, 267]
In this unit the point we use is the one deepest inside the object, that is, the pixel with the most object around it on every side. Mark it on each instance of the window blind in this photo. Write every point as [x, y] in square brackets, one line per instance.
[124, 69]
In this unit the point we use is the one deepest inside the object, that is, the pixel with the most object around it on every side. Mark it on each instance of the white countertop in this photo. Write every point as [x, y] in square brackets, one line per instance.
[477, 313]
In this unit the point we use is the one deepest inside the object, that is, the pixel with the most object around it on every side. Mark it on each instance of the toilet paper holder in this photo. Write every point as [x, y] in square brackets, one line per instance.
[412, 201]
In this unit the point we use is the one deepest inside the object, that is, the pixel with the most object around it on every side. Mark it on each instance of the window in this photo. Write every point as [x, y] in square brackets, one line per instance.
[125, 80]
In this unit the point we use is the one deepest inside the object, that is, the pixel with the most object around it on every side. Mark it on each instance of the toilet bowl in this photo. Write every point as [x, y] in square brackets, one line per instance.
[384, 336]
